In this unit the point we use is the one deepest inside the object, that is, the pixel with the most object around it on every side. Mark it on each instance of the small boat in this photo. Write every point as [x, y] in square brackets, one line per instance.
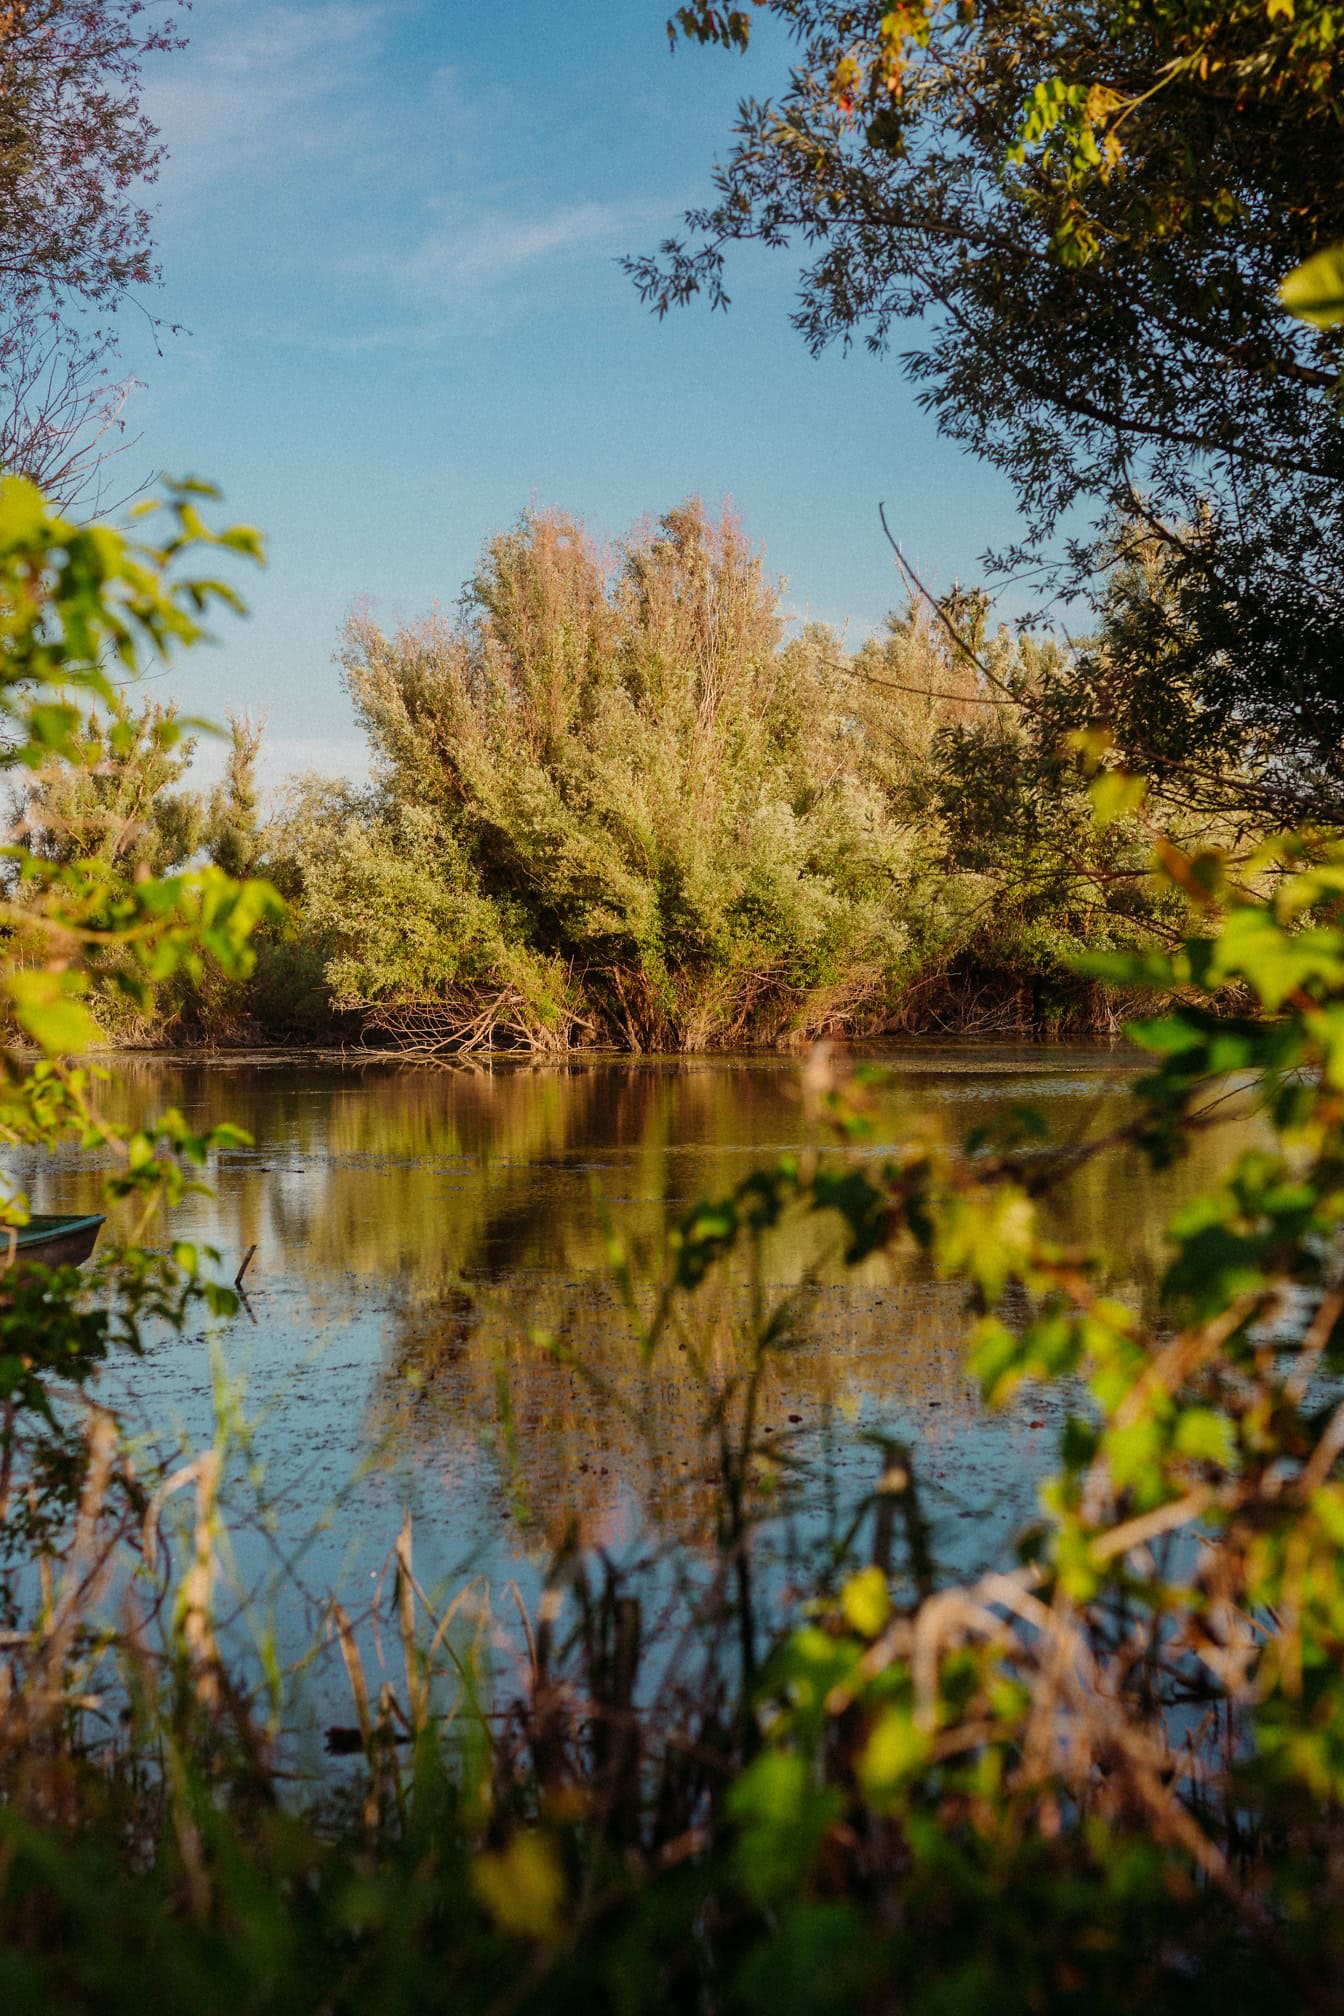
[51, 1240]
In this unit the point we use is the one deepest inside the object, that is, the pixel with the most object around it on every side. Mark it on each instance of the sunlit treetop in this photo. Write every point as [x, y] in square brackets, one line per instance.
[1088, 88]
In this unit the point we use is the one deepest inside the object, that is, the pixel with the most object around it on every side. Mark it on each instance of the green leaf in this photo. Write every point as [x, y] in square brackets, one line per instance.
[50, 728]
[782, 1815]
[986, 1237]
[1206, 1436]
[1277, 962]
[49, 1010]
[866, 1602]
[896, 1750]
[1115, 794]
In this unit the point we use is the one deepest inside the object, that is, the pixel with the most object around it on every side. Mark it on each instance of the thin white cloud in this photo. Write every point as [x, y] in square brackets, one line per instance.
[367, 342]
[472, 246]
[283, 128]
[256, 88]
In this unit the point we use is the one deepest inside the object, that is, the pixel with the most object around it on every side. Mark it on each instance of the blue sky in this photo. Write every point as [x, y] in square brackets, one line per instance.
[389, 229]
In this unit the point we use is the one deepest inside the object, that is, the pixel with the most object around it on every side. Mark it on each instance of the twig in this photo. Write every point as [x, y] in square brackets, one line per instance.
[975, 657]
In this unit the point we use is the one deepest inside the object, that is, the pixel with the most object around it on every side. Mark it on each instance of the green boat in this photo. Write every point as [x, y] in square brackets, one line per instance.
[51, 1240]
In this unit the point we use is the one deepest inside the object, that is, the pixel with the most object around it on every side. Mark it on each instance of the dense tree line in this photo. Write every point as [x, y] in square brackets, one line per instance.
[615, 801]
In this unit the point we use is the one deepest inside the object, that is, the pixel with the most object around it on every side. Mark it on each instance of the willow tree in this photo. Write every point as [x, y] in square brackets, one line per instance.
[1075, 221]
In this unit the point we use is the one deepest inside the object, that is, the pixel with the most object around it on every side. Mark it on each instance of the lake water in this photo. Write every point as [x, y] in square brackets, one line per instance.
[414, 1226]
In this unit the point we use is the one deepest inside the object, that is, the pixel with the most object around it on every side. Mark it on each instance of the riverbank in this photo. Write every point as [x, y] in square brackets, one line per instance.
[968, 1001]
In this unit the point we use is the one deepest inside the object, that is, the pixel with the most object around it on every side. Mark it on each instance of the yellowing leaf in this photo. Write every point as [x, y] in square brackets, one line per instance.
[22, 511]
[1114, 794]
[895, 1750]
[866, 1602]
[987, 1236]
[523, 1888]
[1091, 744]
[1314, 291]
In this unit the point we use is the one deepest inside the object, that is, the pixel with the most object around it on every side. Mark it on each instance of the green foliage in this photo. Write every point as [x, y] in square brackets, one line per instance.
[87, 908]
[1083, 216]
[231, 826]
[611, 804]
[1056, 878]
[114, 800]
[73, 598]
[1107, 1774]
[614, 803]
[1023, 1747]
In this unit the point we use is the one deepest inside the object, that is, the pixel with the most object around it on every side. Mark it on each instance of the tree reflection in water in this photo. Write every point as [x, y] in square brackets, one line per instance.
[422, 1224]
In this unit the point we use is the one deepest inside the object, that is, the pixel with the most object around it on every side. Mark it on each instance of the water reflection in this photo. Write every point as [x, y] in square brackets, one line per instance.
[414, 1227]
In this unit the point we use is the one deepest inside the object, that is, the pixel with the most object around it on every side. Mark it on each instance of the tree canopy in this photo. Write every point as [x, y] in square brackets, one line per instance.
[1082, 216]
[77, 157]
[76, 149]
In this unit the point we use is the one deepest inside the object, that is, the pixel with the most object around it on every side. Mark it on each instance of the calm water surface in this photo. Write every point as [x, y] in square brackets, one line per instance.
[413, 1228]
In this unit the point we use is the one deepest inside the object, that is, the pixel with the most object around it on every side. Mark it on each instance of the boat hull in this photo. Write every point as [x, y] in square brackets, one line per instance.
[51, 1241]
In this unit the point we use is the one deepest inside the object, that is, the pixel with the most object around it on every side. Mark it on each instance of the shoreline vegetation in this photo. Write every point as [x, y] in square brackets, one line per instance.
[731, 1759]
[618, 804]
